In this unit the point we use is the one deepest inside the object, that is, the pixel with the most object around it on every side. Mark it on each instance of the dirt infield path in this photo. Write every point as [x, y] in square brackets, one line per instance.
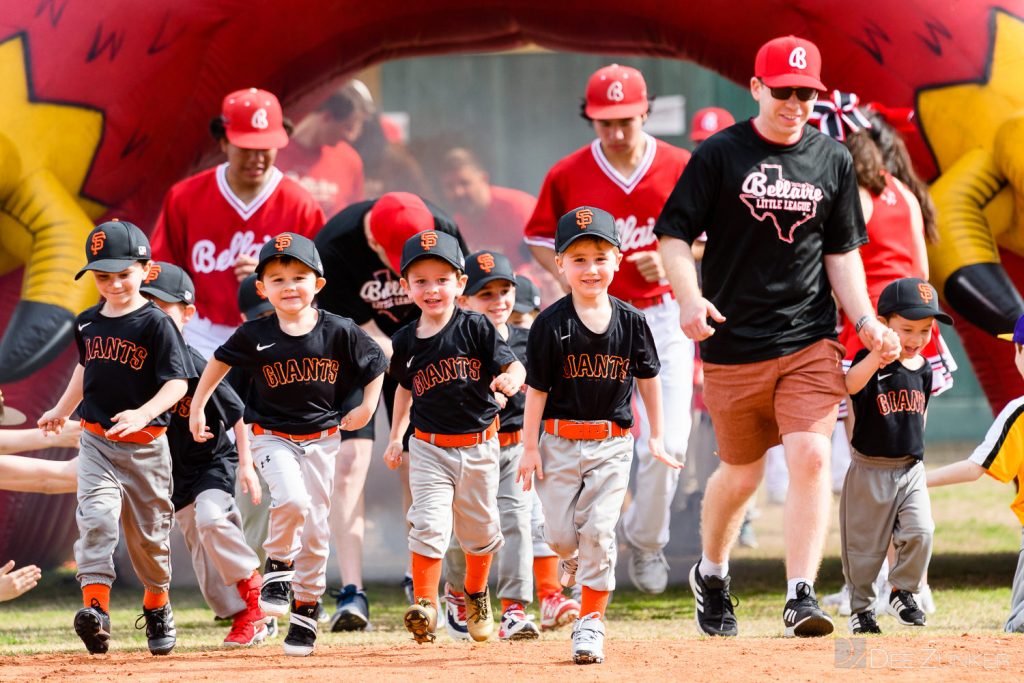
[996, 658]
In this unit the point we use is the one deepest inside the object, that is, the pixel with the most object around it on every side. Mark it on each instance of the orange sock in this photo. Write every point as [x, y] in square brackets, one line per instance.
[100, 592]
[426, 575]
[300, 603]
[545, 573]
[477, 569]
[154, 600]
[506, 603]
[593, 601]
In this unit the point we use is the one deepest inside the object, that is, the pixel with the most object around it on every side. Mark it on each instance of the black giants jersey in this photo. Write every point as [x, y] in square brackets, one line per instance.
[300, 381]
[195, 466]
[771, 213]
[449, 373]
[589, 376]
[511, 416]
[359, 285]
[890, 409]
[127, 360]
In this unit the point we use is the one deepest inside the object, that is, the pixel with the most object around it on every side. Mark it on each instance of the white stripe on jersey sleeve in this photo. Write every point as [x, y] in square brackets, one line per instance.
[985, 450]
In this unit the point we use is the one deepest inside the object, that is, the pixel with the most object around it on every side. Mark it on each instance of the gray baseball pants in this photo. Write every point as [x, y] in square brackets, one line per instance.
[454, 489]
[130, 483]
[1015, 624]
[645, 525]
[515, 561]
[212, 527]
[883, 499]
[255, 518]
[300, 476]
[582, 491]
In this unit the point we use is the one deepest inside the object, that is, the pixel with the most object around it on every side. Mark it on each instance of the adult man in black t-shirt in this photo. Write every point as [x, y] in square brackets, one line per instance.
[778, 201]
[361, 248]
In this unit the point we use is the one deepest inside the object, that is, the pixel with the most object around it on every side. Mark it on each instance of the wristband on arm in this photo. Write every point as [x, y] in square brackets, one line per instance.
[861, 322]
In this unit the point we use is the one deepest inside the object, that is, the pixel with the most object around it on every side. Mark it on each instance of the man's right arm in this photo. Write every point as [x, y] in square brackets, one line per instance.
[681, 270]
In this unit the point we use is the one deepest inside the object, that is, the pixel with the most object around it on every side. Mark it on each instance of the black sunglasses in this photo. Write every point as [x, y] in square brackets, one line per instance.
[802, 94]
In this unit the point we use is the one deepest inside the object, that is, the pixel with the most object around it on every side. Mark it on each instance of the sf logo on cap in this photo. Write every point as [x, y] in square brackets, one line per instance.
[259, 119]
[615, 93]
[154, 273]
[925, 290]
[798, 58]
[428, 240]
[486, 262]
[584, 217]
[282, 242]
[97, 242]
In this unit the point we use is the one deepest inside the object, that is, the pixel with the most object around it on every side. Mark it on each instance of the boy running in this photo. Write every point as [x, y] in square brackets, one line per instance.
[584, 353]
[304, 363]
[132, 367]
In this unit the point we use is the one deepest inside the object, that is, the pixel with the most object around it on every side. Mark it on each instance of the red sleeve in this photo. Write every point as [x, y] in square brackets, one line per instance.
[540, 229]
[166, 238]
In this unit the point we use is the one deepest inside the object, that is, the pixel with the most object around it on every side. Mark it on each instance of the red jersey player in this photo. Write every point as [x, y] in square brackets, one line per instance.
[214, 223]
[630, 174]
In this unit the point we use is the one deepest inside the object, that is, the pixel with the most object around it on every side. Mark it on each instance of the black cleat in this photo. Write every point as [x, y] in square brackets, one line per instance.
[302, 628]
[276, 593]
[803, 617]
[92, 625]
[863, 623]
[903, 606]
[160, 632]
[715, 607]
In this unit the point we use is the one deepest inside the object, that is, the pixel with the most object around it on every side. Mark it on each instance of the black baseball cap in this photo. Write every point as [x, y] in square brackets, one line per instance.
[486, 266]
[114, 246]
[432, 243]
[251, 303]
[585, 221]
[912, 298]
[289, 244]
[169, 283]
[527, 295]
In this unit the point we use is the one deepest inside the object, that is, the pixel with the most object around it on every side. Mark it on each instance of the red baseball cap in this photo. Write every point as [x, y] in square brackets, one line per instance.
[708, 121]
[616, 92]
[396, 217]
[789, 62]
[253, 120]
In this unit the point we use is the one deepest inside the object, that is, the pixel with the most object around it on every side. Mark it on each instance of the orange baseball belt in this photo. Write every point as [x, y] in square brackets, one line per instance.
[145, 435]
[510, 438]
[584, 430]
[458, 440]
[260, 431]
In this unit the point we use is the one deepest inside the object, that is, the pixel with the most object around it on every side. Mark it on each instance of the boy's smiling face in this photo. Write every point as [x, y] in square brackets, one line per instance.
[289, 284]
[914, 334]
[119, 289]
[589, 265]
[433, 285]
[495, 300]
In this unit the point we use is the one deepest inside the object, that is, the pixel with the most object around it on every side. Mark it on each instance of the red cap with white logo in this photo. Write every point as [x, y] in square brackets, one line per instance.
[396, 217]
[253, 120]
[616, 92]
[708, 121]
[789, 62]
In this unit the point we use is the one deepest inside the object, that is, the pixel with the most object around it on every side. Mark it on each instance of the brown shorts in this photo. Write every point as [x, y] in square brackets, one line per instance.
[753, 404]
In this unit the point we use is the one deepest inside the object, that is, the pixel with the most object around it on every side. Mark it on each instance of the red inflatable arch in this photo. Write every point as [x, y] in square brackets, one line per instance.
[112, 99]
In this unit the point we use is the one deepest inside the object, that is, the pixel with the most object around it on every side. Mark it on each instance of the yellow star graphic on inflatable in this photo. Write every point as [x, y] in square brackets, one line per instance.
[59, 137]
[958, 118]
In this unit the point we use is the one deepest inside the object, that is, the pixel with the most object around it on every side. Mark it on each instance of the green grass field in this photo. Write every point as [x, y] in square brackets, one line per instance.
[977, 540]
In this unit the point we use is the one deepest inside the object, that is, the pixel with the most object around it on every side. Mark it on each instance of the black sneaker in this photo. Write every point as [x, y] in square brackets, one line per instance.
[276, 594]
[863, 623]
[716, 615]
[352, 612]
[92, 625]
[410, 594]
[302, 629]
[903, 606]
[803, 617]
[160, 632]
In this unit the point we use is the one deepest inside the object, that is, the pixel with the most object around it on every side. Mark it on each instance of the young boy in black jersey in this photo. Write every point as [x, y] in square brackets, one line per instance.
[584, 353]
[132, 367]
[885, 495]
[204, 480]
[491, 289]
[448, 365]
[304, 363]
